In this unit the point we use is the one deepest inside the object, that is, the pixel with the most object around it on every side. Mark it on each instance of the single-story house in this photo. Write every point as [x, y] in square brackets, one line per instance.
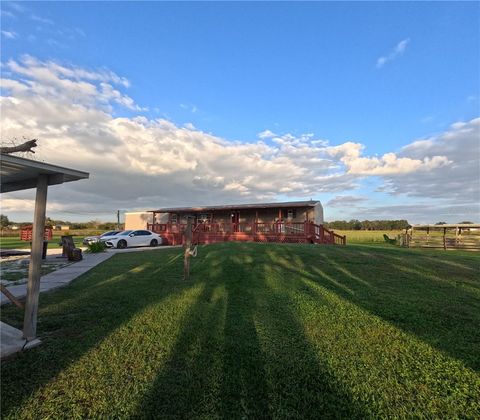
[292, 221]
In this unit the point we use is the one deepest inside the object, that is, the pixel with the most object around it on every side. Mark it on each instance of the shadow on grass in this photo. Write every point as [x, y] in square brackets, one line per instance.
[427, 295]
[243, 354]
[75, 319]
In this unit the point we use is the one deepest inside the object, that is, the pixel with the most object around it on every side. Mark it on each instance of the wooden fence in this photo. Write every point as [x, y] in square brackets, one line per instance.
[458, 236]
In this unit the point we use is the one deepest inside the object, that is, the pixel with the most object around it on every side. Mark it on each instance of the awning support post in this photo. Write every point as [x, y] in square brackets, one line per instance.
[34, 269]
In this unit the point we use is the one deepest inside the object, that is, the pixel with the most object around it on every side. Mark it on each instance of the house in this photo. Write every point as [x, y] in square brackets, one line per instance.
[61, 227]
[293, 221]
[138, 220]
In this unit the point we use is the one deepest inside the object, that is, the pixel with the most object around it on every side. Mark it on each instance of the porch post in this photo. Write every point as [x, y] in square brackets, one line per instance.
[33, 285]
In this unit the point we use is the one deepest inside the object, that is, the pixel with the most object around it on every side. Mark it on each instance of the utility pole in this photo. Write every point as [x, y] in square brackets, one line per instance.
[118, 219]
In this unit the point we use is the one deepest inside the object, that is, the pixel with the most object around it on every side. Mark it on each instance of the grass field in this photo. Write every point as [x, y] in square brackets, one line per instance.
[259, 331]
[353, 237]
[367, 236]
[14, 242]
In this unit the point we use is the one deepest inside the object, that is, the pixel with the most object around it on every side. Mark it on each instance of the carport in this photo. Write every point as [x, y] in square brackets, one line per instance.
[17, 174]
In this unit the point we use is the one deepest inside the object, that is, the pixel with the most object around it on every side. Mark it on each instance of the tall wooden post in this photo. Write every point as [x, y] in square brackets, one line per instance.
[187, 244]
[34, 270]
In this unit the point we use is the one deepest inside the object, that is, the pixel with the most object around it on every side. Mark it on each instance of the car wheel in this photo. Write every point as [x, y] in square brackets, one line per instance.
[153, 242]
[122, 244]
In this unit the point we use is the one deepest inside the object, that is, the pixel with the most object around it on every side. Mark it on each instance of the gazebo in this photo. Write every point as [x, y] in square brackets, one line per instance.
[17, 174]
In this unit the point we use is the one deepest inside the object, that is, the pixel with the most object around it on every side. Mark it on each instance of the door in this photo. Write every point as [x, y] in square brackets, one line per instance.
[140, 238]
[145, 237]
[235, 220]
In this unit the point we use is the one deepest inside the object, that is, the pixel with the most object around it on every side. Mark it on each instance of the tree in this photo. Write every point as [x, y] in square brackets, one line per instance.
[4, 222]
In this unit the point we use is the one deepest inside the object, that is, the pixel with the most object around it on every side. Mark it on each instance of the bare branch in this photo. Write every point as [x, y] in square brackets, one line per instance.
[24, 147]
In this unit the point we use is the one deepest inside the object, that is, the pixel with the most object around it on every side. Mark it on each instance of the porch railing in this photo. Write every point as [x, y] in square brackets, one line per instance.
[296, 231]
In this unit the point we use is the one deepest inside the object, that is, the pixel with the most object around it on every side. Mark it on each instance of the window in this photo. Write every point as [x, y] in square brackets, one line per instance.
[290, 214]
[204, 217]
[173, 218]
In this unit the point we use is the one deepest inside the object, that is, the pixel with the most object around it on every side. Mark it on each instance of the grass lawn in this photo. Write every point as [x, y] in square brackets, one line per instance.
[259, 331]
[14, 242]
[368, 236]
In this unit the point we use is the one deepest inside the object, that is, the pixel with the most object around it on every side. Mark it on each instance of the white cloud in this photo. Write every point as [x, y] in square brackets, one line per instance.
[20, 8]
[346, 201]
[41, 19]
[6, 13]
[142, 163]
[192, 108]
[9, 34]
[389, 164]
[397, 51]
[266, 134]
[458, 182]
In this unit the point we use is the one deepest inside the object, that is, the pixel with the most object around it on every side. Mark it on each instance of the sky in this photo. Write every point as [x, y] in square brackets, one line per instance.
[373, 108]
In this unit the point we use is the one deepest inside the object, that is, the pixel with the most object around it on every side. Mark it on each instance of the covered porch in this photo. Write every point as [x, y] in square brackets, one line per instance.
[289, 222]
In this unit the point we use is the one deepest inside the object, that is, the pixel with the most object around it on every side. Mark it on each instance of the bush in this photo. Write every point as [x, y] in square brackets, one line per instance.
[95, 247]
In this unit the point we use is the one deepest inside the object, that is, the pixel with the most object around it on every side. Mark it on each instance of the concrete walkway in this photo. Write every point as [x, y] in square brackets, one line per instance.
[11, 339]
[65, 275]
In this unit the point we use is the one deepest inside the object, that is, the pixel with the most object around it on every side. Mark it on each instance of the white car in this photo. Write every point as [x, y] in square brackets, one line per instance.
[133, 238]
[103, 237]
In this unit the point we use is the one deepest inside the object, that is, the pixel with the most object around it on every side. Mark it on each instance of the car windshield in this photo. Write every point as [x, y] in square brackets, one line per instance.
[111, 233]
[126, 232]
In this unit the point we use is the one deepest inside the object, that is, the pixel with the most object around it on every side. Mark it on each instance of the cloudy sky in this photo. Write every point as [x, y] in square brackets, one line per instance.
[372, 108]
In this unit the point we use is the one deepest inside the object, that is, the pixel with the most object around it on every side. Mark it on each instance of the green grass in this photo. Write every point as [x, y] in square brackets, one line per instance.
[367, 236]
[284, 331]
[14, 242]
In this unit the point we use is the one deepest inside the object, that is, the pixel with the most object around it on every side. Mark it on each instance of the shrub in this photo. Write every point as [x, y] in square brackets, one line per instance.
[95, 247]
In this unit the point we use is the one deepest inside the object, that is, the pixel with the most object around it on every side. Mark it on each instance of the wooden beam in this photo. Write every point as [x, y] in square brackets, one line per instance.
[34, 269]
[12, 298]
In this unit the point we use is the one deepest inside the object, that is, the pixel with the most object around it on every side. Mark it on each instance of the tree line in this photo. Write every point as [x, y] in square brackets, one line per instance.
[374, 224]
[367, 224]
[92, 224]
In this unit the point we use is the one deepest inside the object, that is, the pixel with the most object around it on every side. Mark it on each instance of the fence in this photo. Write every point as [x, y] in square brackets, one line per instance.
[451, 236]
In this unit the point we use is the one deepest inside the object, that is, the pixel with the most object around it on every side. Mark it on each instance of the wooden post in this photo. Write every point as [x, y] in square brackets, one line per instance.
[445, 239]
[33, 285]
[12, 298]
[187, 244]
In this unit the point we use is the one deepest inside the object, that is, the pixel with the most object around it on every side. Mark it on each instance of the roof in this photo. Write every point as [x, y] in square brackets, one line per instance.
[20, 174]
[288, 204]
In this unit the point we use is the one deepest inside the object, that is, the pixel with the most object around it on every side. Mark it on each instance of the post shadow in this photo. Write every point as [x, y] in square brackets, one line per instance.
[96, 307]
[426, 303]
[223, 367]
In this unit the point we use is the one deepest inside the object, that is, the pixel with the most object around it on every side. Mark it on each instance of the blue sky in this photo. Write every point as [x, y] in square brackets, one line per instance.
[380, 74]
